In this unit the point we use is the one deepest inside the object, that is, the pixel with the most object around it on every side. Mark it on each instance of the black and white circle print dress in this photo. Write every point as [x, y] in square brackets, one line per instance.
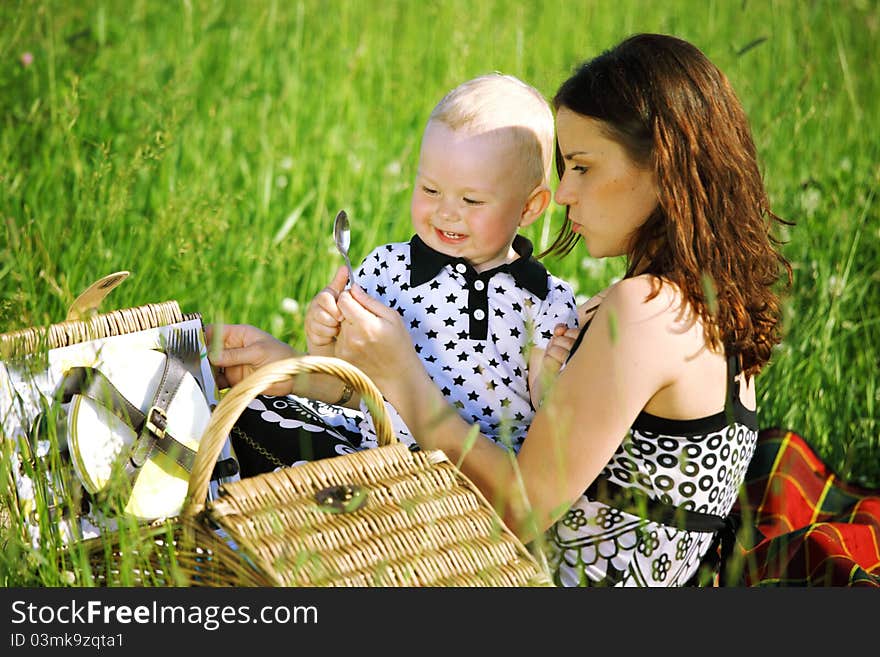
[697, 465]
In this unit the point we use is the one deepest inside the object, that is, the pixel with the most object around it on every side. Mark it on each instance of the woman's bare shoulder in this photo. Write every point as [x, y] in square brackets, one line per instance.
[663, 322]
[663, 335]
[634, 298]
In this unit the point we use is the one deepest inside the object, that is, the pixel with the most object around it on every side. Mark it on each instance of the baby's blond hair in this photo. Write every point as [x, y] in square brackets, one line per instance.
[496, 101]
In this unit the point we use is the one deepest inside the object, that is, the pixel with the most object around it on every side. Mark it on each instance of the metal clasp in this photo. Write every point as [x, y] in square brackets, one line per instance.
[157, 421]
[341, 499]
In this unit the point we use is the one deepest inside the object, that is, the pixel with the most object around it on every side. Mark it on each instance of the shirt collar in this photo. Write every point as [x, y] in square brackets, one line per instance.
[426, 263]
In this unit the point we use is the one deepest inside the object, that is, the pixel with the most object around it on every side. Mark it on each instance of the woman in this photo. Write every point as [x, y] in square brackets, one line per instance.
[635, 458]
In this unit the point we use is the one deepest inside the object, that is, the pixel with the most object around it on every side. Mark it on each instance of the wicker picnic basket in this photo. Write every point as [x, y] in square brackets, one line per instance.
[387, 516]
[26, 351]
[34, 340]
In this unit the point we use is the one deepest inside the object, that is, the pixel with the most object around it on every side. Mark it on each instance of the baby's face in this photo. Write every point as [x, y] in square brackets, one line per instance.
[469, 195]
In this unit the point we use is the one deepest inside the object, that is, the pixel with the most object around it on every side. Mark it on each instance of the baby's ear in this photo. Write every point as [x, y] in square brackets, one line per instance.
[535, 205]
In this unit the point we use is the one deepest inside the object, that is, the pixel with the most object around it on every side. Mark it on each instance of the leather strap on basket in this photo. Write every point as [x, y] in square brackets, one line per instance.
[153, 434]
[151, 428]
[91, 383]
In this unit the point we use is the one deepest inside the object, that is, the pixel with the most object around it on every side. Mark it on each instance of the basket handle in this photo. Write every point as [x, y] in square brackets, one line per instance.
[238, 397]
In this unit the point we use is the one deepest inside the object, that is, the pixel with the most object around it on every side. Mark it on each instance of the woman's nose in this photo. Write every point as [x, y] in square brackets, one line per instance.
[563, 194]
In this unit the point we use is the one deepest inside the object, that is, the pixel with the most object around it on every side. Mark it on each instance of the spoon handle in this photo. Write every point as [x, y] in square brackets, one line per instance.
[350, 270]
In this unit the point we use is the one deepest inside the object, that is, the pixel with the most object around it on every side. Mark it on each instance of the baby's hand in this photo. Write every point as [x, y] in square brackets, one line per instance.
[322, 324]
[555, 354]
[558, 348]
[323, 318]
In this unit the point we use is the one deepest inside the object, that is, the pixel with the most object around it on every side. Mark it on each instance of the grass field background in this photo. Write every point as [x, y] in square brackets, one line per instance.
[206, 147]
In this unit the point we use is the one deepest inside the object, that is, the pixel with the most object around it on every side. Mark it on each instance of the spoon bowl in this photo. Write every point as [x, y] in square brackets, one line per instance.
[342, 237]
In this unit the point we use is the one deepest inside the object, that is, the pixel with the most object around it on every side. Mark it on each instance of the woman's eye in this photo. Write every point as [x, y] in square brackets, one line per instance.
[580, 168]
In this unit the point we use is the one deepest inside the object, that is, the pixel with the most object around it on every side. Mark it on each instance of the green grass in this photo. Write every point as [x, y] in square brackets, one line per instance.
[206, 147]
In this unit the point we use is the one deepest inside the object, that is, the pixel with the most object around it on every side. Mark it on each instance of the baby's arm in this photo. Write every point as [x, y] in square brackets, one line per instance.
[553, 357]
[555, 330]
[544, 364]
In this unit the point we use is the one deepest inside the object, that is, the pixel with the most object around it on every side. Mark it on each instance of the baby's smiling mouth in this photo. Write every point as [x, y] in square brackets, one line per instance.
[450, 235]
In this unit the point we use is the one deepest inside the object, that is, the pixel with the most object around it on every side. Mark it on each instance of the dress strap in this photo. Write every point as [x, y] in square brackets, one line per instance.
[733, 370]
[732, 399]
[579, 339]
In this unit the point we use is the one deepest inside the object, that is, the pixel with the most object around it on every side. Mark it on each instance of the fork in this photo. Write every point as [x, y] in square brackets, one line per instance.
[183, 345]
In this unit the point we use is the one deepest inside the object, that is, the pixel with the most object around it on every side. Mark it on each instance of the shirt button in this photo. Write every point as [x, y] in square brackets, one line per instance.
[479, 285]
[479, 314]
[460, 268]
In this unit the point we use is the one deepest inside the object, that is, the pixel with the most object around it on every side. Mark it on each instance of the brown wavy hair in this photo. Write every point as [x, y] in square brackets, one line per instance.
[674, 111]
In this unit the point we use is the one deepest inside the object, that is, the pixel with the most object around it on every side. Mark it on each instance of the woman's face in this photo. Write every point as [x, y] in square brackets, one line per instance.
[607, 194]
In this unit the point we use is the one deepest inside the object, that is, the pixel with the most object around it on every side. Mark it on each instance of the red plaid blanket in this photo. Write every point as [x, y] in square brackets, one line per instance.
[802, 525]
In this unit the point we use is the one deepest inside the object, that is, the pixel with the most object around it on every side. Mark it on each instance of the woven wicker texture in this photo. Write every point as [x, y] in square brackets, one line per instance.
[175, 553]
[116, 322]
[414, 518]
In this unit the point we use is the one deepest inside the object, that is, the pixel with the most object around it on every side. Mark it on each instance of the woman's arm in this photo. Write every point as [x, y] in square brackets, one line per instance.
[237, 350]
[583, 419]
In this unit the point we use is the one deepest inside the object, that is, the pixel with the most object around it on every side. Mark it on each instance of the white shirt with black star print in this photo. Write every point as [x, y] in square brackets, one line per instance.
[473, 332]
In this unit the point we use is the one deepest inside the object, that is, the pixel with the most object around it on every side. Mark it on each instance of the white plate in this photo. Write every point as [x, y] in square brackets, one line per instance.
[97, 438]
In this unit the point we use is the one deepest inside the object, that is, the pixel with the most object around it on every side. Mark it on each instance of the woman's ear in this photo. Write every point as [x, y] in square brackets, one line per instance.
[536, 203]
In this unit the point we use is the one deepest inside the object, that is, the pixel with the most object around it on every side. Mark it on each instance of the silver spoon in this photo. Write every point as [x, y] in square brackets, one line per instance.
[342, 237]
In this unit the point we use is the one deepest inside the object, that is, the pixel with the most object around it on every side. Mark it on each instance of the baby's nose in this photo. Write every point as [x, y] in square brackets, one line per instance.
[446, 210]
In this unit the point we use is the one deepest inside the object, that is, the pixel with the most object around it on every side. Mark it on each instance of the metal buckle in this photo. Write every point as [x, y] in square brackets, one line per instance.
[157, 421]
[341, 499]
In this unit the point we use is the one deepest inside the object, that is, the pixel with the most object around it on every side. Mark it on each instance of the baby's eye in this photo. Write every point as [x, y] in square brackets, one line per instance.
[472, 201]
[430, 191]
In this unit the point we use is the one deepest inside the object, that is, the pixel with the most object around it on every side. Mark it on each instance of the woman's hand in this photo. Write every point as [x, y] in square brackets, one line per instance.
[323, 317]
[373, 338]
[239, 349]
